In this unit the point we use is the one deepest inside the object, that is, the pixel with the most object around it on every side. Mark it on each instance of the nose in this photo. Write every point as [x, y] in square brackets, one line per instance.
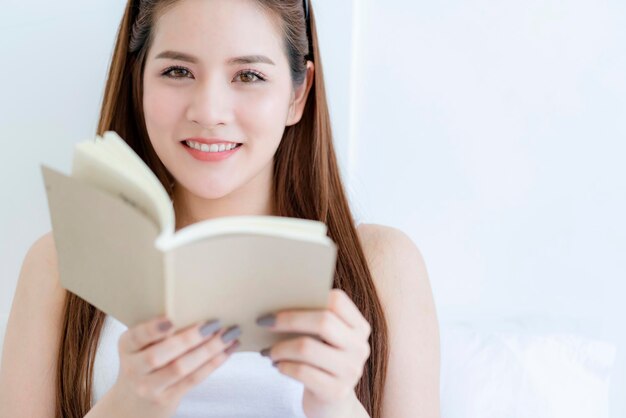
[211, 103]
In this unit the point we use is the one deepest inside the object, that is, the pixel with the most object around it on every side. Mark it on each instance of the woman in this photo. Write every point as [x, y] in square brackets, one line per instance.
[189, 80]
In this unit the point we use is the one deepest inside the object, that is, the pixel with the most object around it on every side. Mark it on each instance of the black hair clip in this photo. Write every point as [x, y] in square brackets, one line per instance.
[306, 10]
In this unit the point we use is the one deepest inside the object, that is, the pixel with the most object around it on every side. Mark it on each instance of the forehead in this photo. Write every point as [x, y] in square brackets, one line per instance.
[214, 30]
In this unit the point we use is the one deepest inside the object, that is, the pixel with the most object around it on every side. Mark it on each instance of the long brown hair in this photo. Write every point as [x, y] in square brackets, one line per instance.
[306, 183]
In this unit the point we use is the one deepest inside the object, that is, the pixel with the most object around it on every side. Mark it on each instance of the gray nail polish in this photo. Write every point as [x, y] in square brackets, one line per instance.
[233, 347]
[267, 320]
[231, 333]
[165, 325]
[210, 327]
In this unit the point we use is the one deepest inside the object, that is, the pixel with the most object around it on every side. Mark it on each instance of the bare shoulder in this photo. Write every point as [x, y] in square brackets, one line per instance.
[42, 250]
[398, 269]
[401, 280]
[376, 236]
[392, 257]
[32, 335]
[40, 270]
[39, 274]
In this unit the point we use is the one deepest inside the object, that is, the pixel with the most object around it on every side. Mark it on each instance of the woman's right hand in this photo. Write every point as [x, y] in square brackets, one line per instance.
[158, 366]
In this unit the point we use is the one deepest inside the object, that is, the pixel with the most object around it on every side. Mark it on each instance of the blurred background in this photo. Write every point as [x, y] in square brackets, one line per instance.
[493, 133]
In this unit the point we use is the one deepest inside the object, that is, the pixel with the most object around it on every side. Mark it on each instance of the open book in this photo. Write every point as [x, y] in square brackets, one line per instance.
[114, 228]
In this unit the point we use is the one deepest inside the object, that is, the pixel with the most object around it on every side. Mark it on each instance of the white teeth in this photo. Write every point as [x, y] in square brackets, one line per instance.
[210, 148]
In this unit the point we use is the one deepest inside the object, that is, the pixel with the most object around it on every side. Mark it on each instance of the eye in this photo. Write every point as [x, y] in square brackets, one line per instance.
[167, 73]
[249, 75]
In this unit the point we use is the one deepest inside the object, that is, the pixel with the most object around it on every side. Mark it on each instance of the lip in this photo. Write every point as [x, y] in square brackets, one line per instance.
[210, 141]
[209, 156]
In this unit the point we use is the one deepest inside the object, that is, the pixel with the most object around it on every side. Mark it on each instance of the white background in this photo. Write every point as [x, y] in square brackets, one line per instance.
[491, 132]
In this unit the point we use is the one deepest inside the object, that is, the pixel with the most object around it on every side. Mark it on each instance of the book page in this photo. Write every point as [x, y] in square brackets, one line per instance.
[240, 277]
[110, 164]
[278, 226]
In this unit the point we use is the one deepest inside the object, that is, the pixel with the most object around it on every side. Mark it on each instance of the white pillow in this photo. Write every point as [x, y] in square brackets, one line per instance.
[520, 375]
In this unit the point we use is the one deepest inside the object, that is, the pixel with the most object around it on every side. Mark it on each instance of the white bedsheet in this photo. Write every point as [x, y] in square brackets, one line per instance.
[521, 375]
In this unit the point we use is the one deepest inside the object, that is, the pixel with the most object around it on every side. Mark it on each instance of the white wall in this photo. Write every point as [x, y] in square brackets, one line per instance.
[494, 134]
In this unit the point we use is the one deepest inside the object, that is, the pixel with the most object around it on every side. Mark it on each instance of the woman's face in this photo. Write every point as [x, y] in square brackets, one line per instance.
[218, 96]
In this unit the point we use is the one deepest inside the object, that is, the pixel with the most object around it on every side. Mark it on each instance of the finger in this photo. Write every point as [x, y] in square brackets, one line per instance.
[322, 384]
[162, 353]
[178, 390]
[324, 323]
[311, 351]
[178, 369]
[341, 304]
[136, 338]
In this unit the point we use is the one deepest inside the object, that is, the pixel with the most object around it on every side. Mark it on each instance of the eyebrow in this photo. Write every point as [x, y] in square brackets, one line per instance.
[248, 59]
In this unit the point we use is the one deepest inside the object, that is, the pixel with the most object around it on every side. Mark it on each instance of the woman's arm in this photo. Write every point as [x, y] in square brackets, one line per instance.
[29, 357]
[412, 384]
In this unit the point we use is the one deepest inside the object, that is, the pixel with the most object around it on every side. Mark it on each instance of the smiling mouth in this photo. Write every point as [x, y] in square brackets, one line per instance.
[211, 149]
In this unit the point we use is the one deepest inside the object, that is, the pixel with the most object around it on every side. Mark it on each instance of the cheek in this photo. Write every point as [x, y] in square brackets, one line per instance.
[161, 107]
[263, 116]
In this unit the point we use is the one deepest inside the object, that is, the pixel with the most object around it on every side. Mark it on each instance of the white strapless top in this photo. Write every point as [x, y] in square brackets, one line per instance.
[246, 385]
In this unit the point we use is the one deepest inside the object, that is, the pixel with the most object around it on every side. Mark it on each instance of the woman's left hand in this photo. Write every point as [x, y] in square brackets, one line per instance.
[331, 368]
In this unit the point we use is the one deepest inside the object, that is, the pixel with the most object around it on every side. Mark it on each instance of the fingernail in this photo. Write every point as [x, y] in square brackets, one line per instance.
[233, 347]
[210, 327]
[165, 325]
[266, 320]
[266, 352]
[231, 333]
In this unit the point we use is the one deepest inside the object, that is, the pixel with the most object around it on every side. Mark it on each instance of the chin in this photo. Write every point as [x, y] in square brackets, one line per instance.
[208, 191]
